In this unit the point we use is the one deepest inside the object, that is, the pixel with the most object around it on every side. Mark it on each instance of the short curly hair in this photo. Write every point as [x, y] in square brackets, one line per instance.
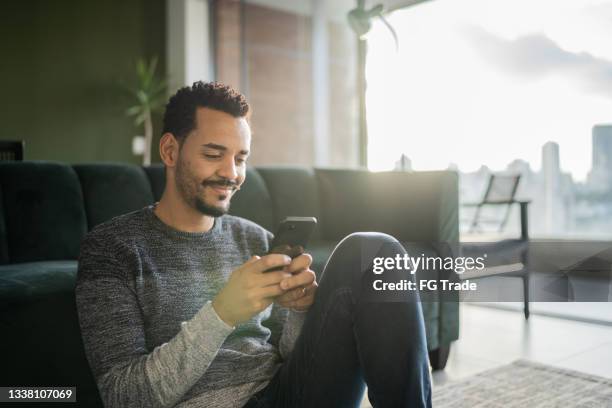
[180, 114]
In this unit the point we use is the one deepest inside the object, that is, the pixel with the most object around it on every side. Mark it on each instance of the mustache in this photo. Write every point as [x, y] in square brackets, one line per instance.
[221, 183]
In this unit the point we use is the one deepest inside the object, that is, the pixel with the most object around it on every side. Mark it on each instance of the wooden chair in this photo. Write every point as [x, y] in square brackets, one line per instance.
[501, 191]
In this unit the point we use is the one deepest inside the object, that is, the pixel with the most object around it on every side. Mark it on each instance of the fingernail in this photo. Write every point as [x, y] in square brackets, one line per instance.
[284, 284]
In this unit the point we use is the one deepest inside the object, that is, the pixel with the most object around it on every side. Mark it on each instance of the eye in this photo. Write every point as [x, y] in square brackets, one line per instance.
[241, 160]
[212, 156]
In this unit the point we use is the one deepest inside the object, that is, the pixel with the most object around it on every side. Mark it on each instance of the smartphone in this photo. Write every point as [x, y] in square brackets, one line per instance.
[292, 236]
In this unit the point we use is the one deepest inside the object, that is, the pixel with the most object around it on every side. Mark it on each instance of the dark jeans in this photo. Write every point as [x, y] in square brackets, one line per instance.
[349, 339]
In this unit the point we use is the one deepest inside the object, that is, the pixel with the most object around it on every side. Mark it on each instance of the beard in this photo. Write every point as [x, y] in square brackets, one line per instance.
[193, 191]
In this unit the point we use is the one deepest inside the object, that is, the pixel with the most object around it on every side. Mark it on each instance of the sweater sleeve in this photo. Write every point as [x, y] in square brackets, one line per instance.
[291, 331]
[285, 325]
[112, 328]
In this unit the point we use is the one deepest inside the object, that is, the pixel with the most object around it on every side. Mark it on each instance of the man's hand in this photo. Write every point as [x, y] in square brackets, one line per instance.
[300, 287]
[250, 290]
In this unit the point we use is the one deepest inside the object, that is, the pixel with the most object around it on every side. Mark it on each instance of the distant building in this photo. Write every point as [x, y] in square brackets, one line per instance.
[519, 166]
[403, 164]
[551, 173]
[550, 159]
[600, 176]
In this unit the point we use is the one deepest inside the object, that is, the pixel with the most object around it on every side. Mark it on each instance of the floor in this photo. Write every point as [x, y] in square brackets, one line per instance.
[490, 337]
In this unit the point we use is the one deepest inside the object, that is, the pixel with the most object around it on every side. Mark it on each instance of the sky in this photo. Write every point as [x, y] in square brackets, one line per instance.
[484, 82]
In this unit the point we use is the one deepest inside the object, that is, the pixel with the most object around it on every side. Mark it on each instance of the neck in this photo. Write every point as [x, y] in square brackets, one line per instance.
[173, 211]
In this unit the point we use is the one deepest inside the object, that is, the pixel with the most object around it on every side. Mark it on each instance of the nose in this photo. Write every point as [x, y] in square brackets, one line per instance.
[228, 169]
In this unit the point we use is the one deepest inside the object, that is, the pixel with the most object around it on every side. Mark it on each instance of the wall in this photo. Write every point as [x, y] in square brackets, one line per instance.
[279, 59]
[63, 62]
[276, 48]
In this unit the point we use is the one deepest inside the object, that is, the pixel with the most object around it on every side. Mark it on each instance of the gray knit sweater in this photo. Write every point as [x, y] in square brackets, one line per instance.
[151, 336]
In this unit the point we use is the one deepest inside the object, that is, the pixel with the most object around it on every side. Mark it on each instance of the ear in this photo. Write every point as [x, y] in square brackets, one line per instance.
[169, 149]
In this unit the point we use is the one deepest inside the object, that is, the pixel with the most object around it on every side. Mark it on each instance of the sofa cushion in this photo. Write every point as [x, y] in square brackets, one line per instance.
[112, 189]
[21, 282]
[39, 325]
[253, 201]
[157, 178]
[4, 257]
[294, 192]
[43, 209]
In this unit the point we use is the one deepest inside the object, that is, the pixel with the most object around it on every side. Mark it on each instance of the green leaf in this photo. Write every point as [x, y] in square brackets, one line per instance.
[133, 110]
[140, 118]
[142, 97]
[148, 91]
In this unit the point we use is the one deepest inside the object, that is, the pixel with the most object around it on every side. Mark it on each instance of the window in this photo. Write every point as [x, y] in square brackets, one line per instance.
[485, 86]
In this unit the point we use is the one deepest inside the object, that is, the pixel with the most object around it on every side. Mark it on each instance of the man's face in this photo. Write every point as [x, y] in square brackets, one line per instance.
[211, 164]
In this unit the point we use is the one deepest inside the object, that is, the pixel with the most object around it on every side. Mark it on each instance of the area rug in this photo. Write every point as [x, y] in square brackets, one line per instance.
[526, 384]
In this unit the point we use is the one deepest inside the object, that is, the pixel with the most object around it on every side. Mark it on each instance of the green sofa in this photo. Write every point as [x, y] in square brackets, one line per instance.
[47, 207]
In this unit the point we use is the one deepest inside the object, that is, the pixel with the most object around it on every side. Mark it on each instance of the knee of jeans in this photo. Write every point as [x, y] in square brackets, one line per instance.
[359, 239]
[359, 249]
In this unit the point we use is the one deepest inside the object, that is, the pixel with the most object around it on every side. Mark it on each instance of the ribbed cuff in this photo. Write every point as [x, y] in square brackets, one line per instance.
[219, 317]
[206, 324]
[296, 318]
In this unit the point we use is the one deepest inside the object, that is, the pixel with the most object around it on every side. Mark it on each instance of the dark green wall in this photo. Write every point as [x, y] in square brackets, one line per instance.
[62, 62]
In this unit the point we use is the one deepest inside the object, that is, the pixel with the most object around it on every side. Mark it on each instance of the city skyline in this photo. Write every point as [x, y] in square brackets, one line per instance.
[560, 205]
[599, 171]
[604, 166]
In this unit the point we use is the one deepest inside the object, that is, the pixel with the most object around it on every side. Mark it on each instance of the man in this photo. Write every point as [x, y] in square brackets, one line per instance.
[176, 310]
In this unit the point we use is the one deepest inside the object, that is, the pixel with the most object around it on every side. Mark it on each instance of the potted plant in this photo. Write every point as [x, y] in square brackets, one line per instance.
[150, 95]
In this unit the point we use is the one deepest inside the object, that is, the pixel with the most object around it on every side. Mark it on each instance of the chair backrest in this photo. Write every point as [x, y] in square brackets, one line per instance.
[501, 188]
[11, 150]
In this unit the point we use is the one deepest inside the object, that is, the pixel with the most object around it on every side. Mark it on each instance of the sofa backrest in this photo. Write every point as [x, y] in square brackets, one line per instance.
[43, 211]
[294, 192]
[47, 207]
[157, 179]
[112, 189]
[253, 201]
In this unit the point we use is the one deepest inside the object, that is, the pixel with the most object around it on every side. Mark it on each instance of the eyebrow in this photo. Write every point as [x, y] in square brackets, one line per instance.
[222, 148]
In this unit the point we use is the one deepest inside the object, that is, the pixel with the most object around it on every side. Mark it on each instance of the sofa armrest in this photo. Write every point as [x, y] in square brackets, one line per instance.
[417, 208]
[413, 207]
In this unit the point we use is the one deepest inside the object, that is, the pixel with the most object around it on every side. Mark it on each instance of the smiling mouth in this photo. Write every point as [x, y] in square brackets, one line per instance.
[224, 190]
